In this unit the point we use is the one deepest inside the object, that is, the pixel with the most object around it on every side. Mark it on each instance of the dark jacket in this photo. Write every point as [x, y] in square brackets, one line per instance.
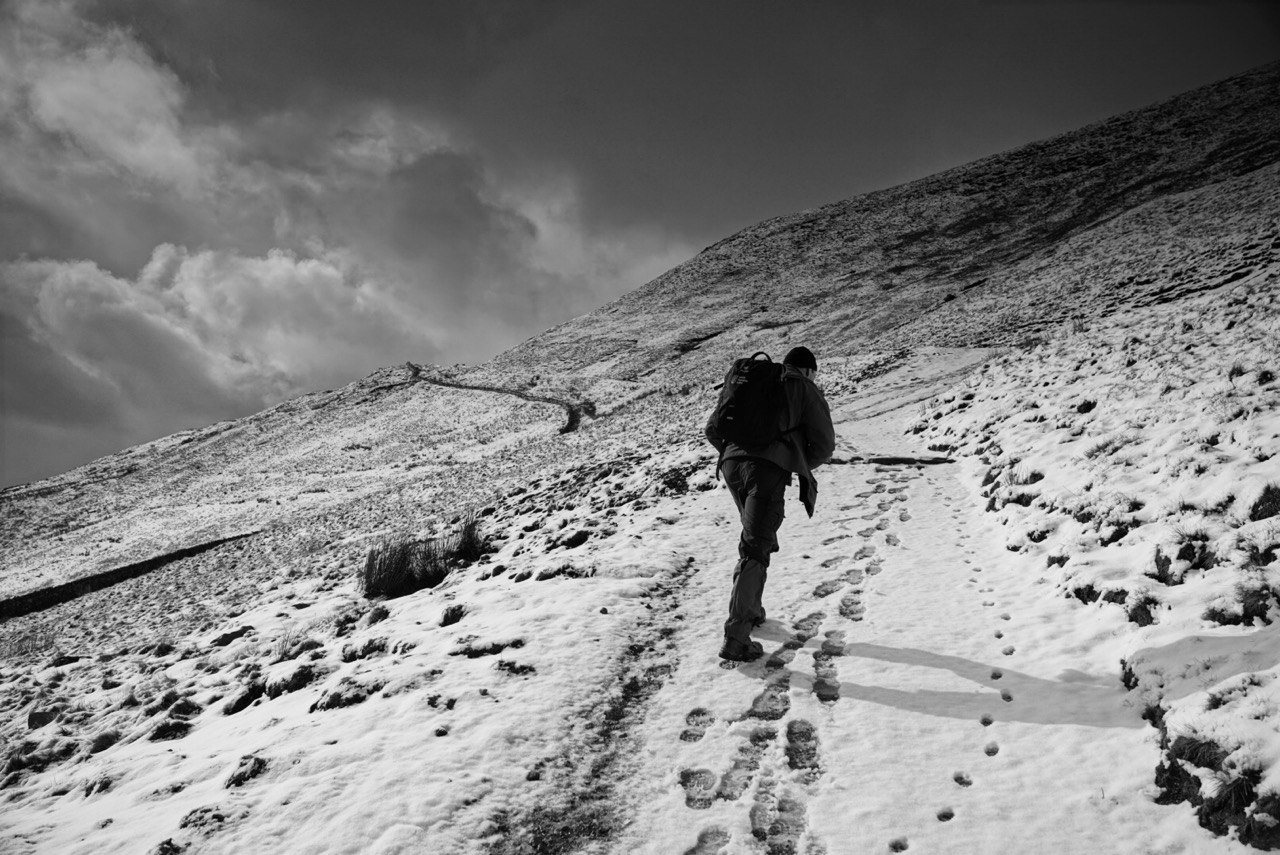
[807, 436]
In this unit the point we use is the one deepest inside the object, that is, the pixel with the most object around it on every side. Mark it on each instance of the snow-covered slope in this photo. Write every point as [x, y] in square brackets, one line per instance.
[1133, 463]
[1032, 610]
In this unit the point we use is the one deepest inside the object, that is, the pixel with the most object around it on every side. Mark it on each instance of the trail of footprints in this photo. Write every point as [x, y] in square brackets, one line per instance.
[961, 778]
[778, 815]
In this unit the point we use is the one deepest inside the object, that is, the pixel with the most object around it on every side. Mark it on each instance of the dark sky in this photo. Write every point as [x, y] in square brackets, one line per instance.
[208, 206]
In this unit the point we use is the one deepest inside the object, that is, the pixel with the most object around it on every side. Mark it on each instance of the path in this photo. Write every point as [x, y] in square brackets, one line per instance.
[920, 691]
[574, 410]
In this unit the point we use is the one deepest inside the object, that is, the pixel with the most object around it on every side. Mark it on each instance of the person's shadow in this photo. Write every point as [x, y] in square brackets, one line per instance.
[1074, 698]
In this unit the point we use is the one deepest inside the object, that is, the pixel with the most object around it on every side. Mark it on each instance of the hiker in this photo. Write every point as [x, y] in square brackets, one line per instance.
[757, 478]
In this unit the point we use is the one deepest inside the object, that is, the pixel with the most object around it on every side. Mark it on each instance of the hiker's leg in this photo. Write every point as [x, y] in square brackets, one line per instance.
[758, 490]
[763, 509]
[744, 601]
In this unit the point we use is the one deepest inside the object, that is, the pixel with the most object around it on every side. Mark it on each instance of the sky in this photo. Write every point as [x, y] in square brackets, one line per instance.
[211, 206]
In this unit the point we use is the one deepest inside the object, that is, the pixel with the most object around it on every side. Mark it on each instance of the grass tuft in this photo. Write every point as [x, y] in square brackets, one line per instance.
[396, 569]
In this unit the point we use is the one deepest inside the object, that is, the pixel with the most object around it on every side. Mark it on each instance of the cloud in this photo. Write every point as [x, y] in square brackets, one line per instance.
[114, 102]
[97, 159]
[99, 98]
[198, 333]
[169, 259]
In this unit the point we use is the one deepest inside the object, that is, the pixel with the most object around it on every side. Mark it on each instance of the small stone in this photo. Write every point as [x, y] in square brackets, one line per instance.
[39, 718]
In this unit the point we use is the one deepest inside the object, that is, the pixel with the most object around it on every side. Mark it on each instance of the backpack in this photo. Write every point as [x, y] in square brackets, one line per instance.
[752, 402]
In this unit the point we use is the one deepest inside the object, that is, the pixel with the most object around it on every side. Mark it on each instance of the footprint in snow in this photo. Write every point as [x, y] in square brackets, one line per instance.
[991, 750]
[806, 628]
[903, 516]
[962, 779]
[834, 642]
[711, 841]
[802, 750]
[778, 821]
[827, 588]
[898, 844]
[699, 720]
[826, 679]
[874, 568]
[778, 660]
[882, 524]
[699, 787]
[892, 540]
[774, 700]
[996, 674]
[867, 532]
[1006, 696]
[738, 777]
[832, 562]
[851, 607]
[1008, 651]
[987, 720]
[831, 540]
[946, 815]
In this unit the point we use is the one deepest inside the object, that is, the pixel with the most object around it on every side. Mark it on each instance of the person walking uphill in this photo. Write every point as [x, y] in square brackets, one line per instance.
[758, 474]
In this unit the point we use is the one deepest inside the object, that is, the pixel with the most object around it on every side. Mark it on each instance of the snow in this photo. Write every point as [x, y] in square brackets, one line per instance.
[929, 618]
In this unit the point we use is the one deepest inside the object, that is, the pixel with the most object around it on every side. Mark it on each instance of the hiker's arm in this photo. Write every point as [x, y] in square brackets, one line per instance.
[819, 433]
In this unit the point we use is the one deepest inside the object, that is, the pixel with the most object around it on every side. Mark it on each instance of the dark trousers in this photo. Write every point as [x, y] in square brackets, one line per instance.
[757, 487]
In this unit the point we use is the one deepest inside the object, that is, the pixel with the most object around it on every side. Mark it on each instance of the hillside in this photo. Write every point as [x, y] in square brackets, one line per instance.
[1034, 609]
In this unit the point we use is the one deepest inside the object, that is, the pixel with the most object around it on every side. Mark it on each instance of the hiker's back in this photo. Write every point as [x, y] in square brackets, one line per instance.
[753, 409]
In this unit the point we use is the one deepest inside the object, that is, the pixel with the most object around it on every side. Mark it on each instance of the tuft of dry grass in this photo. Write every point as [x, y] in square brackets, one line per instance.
[396, 569]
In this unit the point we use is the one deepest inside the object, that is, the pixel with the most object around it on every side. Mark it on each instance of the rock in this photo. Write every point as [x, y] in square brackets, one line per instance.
[228, 637]
[250, 767]
[38, 718]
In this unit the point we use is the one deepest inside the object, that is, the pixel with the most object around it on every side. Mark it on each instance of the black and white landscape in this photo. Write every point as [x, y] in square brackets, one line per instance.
[1034, 611]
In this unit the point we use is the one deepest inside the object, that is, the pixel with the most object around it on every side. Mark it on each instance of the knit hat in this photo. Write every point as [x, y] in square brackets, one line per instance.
[801, 357]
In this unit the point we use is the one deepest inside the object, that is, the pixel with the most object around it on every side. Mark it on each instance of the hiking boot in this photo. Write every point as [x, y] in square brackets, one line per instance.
[738, 651]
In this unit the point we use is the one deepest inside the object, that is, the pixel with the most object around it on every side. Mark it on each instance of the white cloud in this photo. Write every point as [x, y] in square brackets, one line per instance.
[207, 334]
[586, 268]
[97, 95]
